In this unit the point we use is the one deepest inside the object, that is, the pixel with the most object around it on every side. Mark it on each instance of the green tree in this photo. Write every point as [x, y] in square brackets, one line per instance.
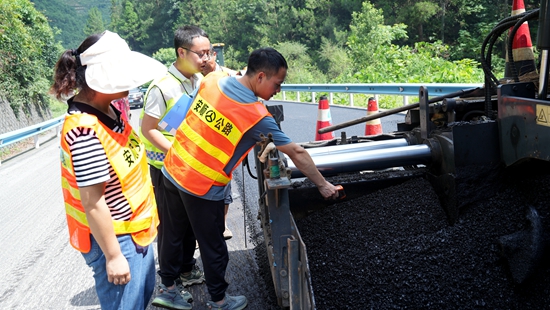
[129, 20]
[28, 53]
[165, 55]
[417, 14]
[95, 22]
[368, 33]
[64, 18]
[301, 70]
[335, 60]
[382, 61]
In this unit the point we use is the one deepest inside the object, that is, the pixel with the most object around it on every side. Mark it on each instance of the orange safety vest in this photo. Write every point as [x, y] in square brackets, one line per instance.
[208, 136]
[126, 154]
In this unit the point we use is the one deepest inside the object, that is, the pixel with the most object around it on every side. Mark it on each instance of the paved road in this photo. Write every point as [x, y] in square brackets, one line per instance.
[40, 270]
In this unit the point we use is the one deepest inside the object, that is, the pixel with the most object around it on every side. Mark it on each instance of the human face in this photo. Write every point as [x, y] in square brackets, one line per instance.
[210, 65]
[191, 62]
[269, 87]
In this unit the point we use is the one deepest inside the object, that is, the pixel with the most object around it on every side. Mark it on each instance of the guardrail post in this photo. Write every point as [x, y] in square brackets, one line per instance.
[298, 96]
[313, 97]
[284, 96]
[351, 100]
[36, 142]
[330, 101]
[405, 100]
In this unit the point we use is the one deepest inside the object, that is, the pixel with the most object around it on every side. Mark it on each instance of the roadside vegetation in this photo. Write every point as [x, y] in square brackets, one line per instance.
[341, 41]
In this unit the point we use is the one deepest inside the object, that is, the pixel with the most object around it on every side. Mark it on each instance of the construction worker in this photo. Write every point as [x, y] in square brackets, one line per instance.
[213, 66]
[176, 242]
[224, 122]
[109, 201]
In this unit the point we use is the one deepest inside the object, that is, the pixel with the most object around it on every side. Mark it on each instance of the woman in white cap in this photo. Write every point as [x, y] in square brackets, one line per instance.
[109, 201]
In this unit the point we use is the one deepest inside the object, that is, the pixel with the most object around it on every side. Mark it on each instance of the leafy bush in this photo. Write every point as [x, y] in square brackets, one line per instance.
[165, 55]
[27, 53]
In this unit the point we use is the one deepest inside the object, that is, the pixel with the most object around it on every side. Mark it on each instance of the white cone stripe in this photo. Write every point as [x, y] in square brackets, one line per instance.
[374, 122]
[323, 115]
[518, 11]
[523, 53]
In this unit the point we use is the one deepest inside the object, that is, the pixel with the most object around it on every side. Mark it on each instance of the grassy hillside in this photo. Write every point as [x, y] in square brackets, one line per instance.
[69, 17]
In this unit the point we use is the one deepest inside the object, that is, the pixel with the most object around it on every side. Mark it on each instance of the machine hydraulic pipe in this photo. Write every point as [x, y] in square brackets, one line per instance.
[356, 147]
[393, 111]
[367, 160]
[543, 45]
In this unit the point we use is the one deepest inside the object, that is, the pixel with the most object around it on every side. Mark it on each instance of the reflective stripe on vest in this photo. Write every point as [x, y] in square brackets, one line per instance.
[207, 138]
[127, 156]
[155, 157]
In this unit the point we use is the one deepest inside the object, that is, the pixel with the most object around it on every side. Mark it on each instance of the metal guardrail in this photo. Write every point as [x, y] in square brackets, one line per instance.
[408, 89]
[31, 131]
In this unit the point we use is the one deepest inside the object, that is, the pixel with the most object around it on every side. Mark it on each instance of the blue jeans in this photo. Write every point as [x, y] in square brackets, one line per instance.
[136, 293]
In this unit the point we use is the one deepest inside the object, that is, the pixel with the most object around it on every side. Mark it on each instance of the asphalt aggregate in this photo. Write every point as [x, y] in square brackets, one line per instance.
[394, 248]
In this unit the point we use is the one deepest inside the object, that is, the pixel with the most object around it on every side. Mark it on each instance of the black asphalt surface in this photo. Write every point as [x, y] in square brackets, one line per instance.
[394, 248]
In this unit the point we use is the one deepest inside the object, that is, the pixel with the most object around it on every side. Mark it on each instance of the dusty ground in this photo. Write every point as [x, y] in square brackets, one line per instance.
[394, 249]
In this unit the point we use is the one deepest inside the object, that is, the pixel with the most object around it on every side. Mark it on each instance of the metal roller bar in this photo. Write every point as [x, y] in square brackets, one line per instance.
[356, 147]
[367, 160]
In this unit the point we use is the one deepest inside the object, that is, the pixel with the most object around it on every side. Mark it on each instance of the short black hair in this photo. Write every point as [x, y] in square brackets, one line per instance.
[265, 59]
[183, 37]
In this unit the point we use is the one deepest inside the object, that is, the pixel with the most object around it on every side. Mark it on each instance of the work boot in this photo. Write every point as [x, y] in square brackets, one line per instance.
[171, 299]
[195, 276]
[229, 303]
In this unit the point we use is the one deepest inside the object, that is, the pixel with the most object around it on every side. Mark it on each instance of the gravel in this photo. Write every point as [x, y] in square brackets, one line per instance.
[394, 248]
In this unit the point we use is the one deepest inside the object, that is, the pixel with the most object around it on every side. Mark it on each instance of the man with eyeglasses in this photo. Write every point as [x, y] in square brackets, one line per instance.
[176, 240]
[212, 65]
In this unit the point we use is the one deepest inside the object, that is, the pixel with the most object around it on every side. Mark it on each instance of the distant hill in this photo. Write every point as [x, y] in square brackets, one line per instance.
[70, 16]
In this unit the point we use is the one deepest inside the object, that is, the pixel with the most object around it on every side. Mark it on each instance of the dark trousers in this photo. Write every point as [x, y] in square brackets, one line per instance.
[175, 240]
[207, 220]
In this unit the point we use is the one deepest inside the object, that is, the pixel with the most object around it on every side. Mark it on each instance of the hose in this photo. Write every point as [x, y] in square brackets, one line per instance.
[491, 81]
[534, 14]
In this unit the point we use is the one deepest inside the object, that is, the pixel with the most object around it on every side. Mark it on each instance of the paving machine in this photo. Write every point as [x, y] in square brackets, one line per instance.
[450, 140]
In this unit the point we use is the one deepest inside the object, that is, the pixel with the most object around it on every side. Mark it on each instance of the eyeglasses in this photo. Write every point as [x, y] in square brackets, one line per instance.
[208, 54]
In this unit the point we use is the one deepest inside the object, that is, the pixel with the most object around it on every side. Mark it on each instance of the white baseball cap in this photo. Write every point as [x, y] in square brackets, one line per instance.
[112, 67]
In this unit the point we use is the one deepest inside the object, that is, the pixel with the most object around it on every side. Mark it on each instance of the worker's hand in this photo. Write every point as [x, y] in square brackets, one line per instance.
[118, 270]
[328, 191]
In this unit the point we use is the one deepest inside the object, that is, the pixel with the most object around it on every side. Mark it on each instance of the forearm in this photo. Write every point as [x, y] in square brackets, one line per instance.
[101, 225]
[100, 221]
[149, 129]
[157, 139]
[304, 163]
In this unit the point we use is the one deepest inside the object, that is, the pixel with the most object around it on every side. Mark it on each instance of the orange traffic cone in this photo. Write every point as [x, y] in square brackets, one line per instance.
[373, 127]
[323, 120]
[522, 48]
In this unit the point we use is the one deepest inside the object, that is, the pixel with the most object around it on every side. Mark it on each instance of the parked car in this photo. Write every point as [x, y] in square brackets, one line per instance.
[135, 98]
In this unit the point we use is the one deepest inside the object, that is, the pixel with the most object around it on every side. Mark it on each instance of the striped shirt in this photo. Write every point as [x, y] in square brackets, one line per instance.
[90, 162]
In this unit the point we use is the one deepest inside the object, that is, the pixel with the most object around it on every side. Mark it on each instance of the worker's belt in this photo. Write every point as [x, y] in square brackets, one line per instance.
[158, 156]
